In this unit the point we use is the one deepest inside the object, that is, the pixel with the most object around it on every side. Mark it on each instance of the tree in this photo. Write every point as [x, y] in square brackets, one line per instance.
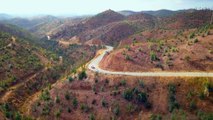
[75, 102]
[141, 97]
[128, 94]
[70, 79]
[82, 75]
[67, 96]
[153, 56]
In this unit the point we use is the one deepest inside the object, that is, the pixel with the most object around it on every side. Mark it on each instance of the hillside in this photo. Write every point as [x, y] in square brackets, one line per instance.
[28, 66]
[188, 50]
[49, 66]
[16, 31]
[184, 20]
[109, 27]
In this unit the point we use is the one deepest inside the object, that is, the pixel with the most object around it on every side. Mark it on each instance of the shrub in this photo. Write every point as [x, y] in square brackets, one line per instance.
[84, 108]
[94, 88]
[75, 103]
[58, 113]
[141, 83]
[201, 95]
[187, 58]
[45, 95]
[141, 97]
[173, 104]
[82, 75]
[18, 116]
[130, 108]
[140, 49]
[192, 105]
[192, 35]
[123, 82]
[128, 57]
[103, 102]
[204, 116]
[196, 40]
[147, 105]
[155, 117]
[91, 117]
[153, 56]
[135, 91]
[96, 80]
[116, 110]
[128, 48]
[6, 110]
[70, 79]
[128, 94]
[46, 110]
[68, 110]
[107, 81]
[102, 88]
[57, 99]
[67, 96]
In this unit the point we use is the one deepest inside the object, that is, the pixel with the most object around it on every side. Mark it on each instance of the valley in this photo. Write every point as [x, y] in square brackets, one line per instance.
[125, 65]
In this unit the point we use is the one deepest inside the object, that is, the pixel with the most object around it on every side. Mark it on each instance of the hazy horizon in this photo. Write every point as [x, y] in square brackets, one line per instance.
[80, 7]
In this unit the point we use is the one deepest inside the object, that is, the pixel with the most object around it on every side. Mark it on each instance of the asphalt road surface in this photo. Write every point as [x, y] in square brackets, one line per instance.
[94, 66]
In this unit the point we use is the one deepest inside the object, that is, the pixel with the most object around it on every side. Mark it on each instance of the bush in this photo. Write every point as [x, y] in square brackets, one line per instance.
[192, 105]
[84, 108]
[116, 110]
[67, 96]
[68, 110]
[153, 56]
[196, 40]
[187, 58]
[141, 83]
[204, 116]
[57, 99]
[128, 57]
[128, 94]
[45, 95]
[107, 81]
[18, 116]
[58, 113]
[91, 117]
[155, 117]
[128, 48]
[173, 104]
[75, 103]
[141, 97]
[70, 79]
[123, 82]
[82, 75]
[103, 103]
[147, 105]
[192, 35]
[201, 95]
[130, 108]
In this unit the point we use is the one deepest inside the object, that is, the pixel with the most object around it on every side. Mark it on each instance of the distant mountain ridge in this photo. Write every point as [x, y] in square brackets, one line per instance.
[157, 13]
[5, 16]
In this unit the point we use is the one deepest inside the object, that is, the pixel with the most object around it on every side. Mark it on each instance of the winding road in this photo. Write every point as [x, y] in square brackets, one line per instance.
[94, 66]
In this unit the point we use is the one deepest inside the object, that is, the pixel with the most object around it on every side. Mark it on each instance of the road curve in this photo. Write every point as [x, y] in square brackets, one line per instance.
[94, 66]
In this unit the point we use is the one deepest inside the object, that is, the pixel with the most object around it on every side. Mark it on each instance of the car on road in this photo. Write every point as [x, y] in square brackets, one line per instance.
[93, 67]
